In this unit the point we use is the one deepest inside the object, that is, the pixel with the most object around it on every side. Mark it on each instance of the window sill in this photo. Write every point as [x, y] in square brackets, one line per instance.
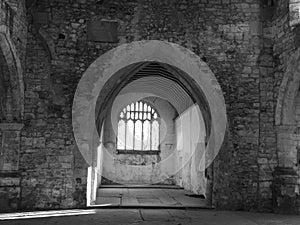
[138, 152]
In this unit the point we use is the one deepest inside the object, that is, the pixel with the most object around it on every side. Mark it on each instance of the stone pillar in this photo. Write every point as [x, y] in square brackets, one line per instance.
[285, 190]
[9, 166]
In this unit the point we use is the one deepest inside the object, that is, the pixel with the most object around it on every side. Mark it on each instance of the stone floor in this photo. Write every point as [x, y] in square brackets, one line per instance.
[145, 217]
[139, 197]
[160, 196]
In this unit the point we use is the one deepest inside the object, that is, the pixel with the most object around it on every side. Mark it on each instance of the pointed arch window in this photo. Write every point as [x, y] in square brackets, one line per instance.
[138, 129]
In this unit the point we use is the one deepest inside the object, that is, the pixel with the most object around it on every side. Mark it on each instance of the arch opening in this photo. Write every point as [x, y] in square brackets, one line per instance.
[12, 88]
[11, 103]
[287, 119]
[107, 78]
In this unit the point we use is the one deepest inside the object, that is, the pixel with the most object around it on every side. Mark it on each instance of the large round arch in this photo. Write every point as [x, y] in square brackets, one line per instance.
[96, 76]
[97, 81]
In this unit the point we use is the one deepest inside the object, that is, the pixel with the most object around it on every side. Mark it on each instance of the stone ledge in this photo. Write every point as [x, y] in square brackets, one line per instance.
[285, 171]
[10, 182]
[11, 126]
[138, 152]
[10, 174]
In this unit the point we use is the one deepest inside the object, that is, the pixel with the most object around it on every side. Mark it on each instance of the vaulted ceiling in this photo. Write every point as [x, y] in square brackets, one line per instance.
[150, 79]
[153, 84]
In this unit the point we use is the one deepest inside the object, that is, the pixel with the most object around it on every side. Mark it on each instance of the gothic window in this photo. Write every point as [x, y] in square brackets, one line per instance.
[138, 128]
[294, 11]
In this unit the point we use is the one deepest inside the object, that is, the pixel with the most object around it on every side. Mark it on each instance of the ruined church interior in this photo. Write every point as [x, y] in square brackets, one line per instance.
[130, 109]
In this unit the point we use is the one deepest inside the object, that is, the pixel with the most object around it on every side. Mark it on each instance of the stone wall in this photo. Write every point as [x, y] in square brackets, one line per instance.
[267, 157]
[234, 38]
[54, 173]
[226, 34]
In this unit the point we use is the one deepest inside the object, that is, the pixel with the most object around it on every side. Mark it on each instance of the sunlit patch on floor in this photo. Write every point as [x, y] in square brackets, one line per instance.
[46, 214]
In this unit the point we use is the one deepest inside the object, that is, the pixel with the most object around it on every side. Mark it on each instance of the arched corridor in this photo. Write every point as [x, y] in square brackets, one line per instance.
[192, 109]
[156, 176]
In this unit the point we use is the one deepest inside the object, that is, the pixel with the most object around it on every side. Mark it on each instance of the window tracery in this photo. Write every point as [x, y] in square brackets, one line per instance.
[138, 128]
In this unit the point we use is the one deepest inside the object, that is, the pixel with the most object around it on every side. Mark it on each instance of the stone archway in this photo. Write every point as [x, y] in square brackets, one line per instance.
[11, 114]
[14, 75]
[95, 80]
[285, 110]
[285, 187]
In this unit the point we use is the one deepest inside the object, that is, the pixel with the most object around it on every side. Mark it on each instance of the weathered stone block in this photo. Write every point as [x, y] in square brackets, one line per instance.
[9, 181]
[66, 165]
[41, 18]
[39, 142]
[256, 28]
[102, 31]
[68, 158]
